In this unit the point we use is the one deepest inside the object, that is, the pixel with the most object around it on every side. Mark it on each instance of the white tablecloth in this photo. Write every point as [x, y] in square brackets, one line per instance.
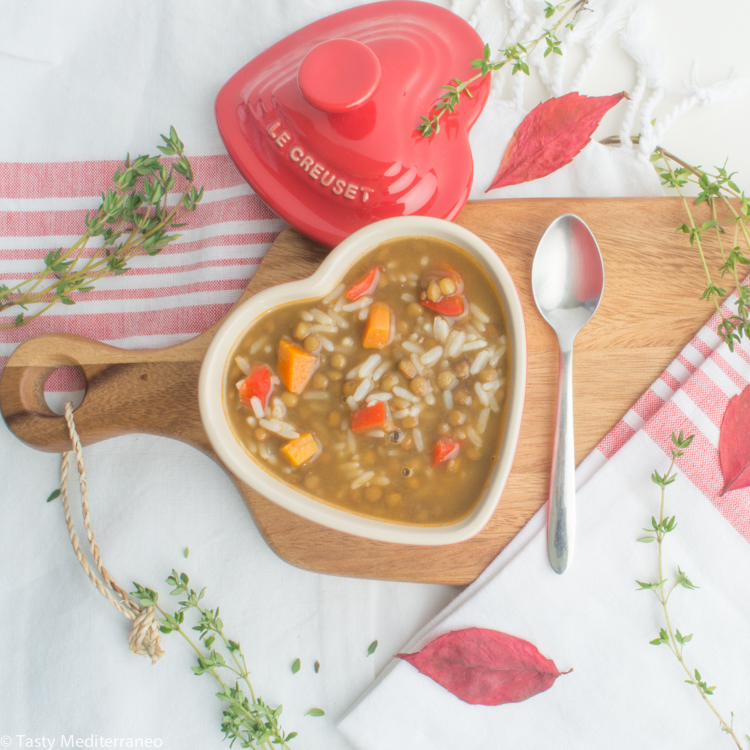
[82, 82]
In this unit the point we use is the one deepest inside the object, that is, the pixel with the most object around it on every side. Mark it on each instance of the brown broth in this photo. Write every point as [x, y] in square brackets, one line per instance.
[367, 473]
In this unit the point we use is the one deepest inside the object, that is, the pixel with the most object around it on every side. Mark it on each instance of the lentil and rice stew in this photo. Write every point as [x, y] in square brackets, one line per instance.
[386, 397]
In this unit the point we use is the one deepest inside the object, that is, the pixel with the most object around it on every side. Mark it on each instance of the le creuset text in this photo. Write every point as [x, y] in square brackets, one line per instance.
[314, 169]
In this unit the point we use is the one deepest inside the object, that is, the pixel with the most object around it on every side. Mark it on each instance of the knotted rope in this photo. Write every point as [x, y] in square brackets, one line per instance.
[144, 638]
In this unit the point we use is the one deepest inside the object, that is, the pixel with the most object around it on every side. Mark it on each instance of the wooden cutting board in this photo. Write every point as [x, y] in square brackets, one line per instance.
[649, 312]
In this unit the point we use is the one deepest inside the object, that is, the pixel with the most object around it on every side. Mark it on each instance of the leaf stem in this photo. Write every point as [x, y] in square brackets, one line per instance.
[516, 53]
[696, 234]
[223, 684]
[676, 645]
[712, 187]
[137, 207]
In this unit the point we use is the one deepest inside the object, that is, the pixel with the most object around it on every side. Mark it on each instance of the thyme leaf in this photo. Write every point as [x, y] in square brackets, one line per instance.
[669, 635]
[246, 718]
[134, 218]
[514, 55]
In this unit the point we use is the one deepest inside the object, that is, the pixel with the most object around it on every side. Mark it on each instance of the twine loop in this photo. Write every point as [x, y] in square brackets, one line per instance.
[145, 637]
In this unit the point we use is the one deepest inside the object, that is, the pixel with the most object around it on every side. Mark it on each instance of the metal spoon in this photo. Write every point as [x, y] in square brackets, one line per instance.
[567, 278]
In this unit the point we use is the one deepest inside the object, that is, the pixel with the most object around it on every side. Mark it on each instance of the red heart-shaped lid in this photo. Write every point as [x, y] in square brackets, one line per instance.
[323, 124]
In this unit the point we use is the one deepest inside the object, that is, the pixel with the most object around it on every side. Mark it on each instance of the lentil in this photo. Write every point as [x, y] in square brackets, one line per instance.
[447, 286]
[420, 386]
[407, 368]
[290, 399]
[302, 330]
[456, 418]
[445, 379]
[338, 361]
[312, 343]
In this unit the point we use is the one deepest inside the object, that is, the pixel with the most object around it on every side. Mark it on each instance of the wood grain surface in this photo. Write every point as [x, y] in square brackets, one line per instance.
[649, 312]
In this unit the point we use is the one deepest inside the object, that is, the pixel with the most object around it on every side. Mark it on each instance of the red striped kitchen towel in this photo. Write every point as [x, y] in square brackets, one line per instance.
[691, 395]
[164, 299]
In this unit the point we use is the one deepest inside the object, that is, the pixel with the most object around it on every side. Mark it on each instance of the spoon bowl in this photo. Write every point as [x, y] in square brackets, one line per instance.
[567, 279]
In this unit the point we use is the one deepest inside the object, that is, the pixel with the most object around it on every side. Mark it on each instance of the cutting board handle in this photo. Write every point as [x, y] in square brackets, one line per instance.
[127, 391]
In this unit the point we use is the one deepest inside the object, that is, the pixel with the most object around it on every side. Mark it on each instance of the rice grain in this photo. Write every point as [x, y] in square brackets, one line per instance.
[471, 346]
[257, 344]
[481, 394]
[403, 393]
[368, 366]
[362, 479]
[243, 364]
[381, 370]
[321, 317]
[257, 407]
[363, 389]
[327, 344]
[432, 356]
[479, 313]
[472, 435]
[480, 362]
[412, 347]
[332, 296]
[448, 399]
[358, 304]
[418, 442]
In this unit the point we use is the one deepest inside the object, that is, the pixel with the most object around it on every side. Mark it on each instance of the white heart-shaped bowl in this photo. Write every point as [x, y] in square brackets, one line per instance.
[239, 461]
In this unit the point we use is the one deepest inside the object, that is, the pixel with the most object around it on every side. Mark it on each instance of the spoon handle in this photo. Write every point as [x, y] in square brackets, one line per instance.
[561, 513]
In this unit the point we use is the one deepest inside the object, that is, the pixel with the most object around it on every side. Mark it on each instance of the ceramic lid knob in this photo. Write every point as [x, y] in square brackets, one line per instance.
[339, 75]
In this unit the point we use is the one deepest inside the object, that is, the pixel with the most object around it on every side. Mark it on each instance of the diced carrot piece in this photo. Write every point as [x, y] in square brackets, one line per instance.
[449, 306]
[444, 449]
[365, 285]
[378, 328]
[296, 366]
[301, 449]
[257, 383]
[369, 417]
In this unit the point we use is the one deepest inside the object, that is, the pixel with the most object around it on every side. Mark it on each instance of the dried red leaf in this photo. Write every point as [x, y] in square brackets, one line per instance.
[551, 135]
[485, 667]
[734, 443]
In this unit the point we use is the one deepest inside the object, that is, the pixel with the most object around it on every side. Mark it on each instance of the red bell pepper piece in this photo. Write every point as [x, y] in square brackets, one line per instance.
[257, 383]
[449, 306]
[444, 449]
[369, 417]
[365, 285]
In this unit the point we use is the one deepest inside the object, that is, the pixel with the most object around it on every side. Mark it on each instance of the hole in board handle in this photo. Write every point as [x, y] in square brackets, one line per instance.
[64, 384]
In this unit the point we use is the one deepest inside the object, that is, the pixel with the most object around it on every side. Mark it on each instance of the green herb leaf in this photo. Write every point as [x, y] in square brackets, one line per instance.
[315, 712]
[53, 496]
[371, 648]
[296, 666]
[132, 219]
[683, 580]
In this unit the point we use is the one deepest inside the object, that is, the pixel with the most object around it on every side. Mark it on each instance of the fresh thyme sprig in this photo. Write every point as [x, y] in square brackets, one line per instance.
[669, 635]
[134, 218]
[514, 54]
[717, 187]
[247, 719]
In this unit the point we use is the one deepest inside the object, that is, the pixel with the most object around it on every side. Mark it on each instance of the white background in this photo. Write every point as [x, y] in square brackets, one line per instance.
[86, 80]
